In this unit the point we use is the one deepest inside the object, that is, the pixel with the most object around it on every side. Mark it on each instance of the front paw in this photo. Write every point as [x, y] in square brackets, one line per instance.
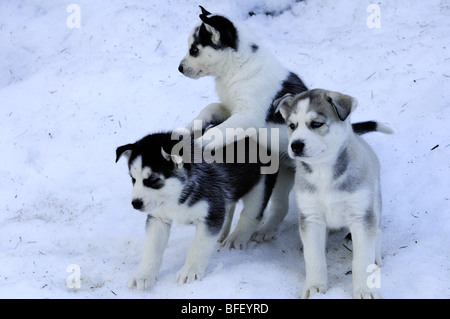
[199, 143]
[190, 273]
[212, 140]
[236, 240]
[141, 282]
[310, 290]
[366, 293]
[196, 127]
[264, 235]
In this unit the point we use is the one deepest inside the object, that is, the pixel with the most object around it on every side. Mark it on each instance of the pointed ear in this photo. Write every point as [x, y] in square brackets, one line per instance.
[284, 105]
[204, 18]
[178, 161]
[122, 149]
[165, 155]
[206, 21]
[342, 104]
[215, 38]
[204, 11]
[223, 31]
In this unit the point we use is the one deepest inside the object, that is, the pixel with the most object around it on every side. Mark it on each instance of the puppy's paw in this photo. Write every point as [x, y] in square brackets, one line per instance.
[366, 293]
[190, 273]
[310, 290]
[199, 143]
[236, 240]
[141, 283]
[263, 235]
[236, 244]
[190, 127]
[182, 131]
[222, 237]
[195, 127]
[213, 139]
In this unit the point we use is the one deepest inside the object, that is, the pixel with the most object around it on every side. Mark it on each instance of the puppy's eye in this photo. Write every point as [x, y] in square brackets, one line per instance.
[315, 124]
[151, 181]
[292, 126]
[193, 51]
[133, 180]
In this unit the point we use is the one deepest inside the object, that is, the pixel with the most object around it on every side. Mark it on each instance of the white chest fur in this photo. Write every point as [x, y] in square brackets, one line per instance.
[181, 213]
[319, 197]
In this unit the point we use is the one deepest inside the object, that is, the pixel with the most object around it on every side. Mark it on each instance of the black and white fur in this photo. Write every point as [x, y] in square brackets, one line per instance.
[248, 79]
[337, 184]
[168, 189]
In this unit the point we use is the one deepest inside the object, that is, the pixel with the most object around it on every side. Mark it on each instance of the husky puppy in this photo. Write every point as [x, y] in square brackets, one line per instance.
[337, 184]
[248, 79]
[168, 188]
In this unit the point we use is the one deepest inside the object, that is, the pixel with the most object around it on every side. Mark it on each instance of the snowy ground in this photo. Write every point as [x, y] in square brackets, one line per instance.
[70, 96]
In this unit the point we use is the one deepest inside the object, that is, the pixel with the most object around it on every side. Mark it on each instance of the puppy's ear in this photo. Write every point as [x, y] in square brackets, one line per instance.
[284, 105]
[122, 149]
[176, 159]
[223, 31]
[342, 104]
[204, 12]
[207, 22]
[165, 155]
[215, 34]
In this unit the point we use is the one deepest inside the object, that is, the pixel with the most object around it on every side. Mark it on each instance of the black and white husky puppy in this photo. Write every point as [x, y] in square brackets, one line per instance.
[249, 79]
[180, 188]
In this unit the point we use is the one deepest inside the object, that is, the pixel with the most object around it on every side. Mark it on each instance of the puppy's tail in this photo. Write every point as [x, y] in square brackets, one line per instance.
[371, 126]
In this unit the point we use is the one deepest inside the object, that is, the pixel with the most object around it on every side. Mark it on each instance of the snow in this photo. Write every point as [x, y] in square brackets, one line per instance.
[70, 96]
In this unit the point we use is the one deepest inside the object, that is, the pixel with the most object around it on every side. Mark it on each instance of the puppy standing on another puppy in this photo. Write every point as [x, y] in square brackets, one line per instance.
[248, 79]
[337, 184]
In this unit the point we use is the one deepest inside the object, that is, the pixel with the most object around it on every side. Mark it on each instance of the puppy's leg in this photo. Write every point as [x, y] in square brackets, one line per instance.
[198, 255]
[212, 114]
[364, 254]
[279, 205]
[227, 223]
[254, 204]
[234, 128]
[378, 259]
[156, 237]
[313, 234]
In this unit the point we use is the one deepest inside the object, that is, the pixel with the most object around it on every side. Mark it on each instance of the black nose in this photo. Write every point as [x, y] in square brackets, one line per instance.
[297, 147]
[137, 203]
[180, 68]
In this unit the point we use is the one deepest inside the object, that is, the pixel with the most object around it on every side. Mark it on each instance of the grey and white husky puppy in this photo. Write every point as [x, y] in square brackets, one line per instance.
[337, 184]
